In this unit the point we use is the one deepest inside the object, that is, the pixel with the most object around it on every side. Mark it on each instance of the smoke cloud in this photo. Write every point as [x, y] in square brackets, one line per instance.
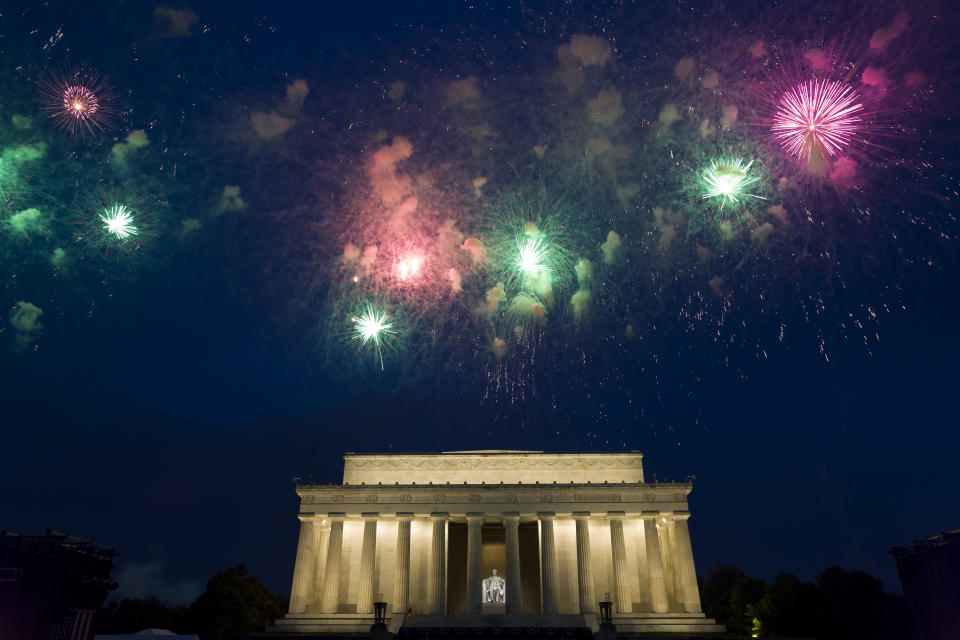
[610, 247]
[25, 319]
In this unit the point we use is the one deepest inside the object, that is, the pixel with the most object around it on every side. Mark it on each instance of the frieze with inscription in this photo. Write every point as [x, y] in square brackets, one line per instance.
[586, 497]
[492, 495]
[507, 463]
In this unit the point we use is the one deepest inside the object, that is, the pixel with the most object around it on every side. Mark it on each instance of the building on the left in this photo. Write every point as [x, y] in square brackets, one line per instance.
[51, 585]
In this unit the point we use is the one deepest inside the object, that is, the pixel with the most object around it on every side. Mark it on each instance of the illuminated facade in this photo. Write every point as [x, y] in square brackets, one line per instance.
[425, 533]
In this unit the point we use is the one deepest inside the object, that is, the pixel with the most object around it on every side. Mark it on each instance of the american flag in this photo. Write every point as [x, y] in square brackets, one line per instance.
[77, 624]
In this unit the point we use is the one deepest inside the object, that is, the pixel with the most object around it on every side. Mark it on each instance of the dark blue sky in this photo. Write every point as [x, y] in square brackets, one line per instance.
[168, 404]
[182, 450]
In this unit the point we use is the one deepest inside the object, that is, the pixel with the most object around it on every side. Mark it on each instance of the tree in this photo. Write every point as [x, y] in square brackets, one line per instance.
[135, 614]
[853, 606]
[789, 607]
[234, 603]
[717, 589]
[731, 597]
[744, 604]
[842, 605]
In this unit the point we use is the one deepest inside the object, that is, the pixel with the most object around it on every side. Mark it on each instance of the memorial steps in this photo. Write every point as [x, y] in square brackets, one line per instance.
[497, 625]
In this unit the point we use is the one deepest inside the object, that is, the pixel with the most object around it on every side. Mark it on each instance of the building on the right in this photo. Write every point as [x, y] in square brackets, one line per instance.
[929, 571]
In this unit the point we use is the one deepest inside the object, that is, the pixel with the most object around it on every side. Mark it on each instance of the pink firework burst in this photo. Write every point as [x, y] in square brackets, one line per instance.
[817, 117]
[77, 103]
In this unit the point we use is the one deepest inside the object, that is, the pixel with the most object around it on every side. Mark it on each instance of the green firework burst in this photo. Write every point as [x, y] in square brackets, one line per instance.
[118, 221]
[529, 241]
[533, 254]
[729, 183]
[373, 329]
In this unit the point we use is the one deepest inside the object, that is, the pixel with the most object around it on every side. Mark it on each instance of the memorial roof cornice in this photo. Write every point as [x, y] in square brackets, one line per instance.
[495, 452]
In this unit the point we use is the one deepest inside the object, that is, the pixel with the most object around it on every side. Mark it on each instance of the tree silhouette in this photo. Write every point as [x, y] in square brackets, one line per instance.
[787, 607]
[725, 598]
[135, 614]
[234, 603]
[853, 606]
[842, 605]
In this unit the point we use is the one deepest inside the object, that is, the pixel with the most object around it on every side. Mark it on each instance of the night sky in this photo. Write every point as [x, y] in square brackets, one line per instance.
[800, 361]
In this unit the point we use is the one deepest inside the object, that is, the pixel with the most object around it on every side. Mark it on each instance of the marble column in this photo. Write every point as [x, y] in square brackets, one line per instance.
[658, 592]
[322, 536]
[689, 592]
[548, 563]
[474, 577]
[368, 561]
[331, 579]
[401, 581]
[643, 572]
[618, 548]
[437, 587]
[511, 524]
[665, 533]
[584, 562]
[300, 592]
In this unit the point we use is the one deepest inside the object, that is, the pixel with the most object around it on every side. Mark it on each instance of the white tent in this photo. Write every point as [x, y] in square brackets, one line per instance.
[148, 634]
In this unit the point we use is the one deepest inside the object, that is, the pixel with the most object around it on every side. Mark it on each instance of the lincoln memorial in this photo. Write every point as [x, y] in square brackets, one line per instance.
[494, 538]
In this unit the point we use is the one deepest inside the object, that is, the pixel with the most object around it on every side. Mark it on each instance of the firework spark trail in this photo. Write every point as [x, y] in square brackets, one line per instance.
[532, 255]
[372, 327]
[118, 220]
[77, 103]
[817, 116]
[80, 101]
[729, 181]
[409, 267]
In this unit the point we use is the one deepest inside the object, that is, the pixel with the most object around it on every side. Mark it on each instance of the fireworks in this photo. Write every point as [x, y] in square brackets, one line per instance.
[118, 221]
[518, 233]
[817, 118]
[77, 103]
[115, 221]
[530, 241]
[532, 254]
[409, 267]
[9, 181]
[372, 328]
[729, 182]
